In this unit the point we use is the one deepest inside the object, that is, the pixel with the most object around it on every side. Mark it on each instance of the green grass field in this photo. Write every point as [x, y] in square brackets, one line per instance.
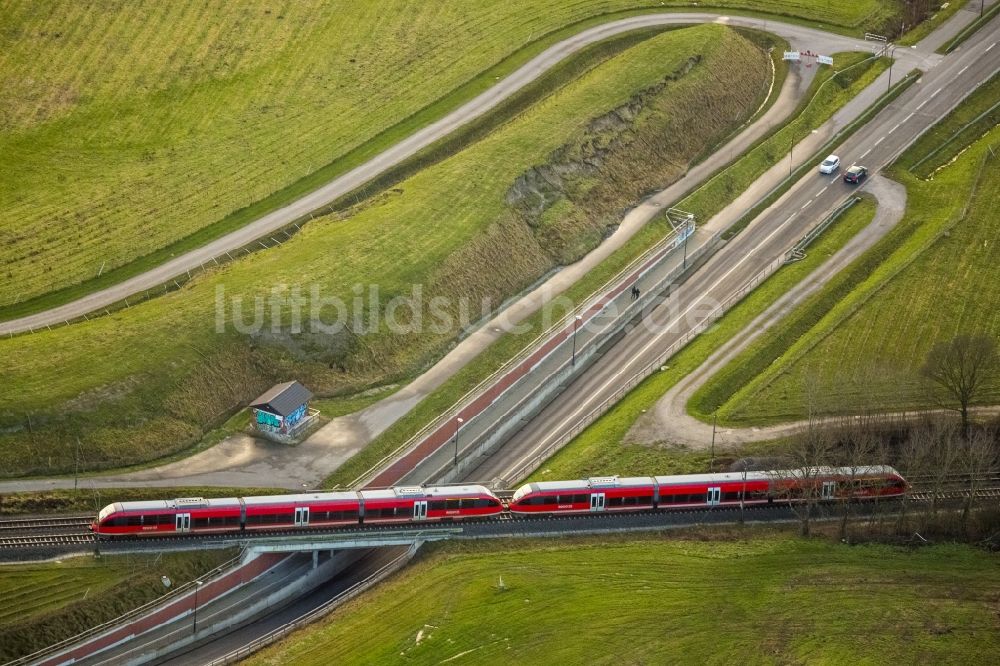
[860, 342]
[45, 603]
[144, 125]
[759, 598]
[181, 376]
[603, 447]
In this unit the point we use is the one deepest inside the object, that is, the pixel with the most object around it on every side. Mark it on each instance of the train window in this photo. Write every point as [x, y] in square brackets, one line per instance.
[165, 519]
[549, 500]
[613, 501]
[231, 520]
[134, 521]
[646, 499]
[199, 522]
[436, 505]
[483, 503]
[581, 498]
[469, 503]
[451, 504]
[731, 497]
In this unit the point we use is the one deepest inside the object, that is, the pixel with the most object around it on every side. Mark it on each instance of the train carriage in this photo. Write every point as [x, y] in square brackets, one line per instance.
[418, 503]
[608, 493]
[301, 510]
[176, 516]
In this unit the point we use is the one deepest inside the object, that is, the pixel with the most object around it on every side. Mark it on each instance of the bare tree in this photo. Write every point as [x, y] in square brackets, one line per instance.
[859, 438]
[977, 457]
[800, 484]
[960, 370]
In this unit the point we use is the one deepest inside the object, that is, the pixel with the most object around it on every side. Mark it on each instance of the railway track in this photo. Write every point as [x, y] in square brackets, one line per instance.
[20, 534]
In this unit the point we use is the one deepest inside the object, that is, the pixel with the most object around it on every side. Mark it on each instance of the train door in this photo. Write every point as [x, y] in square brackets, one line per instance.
[183, 522]
[714, 496]
[302, 516]
[420, 510]
[597, 501]
[829, 490]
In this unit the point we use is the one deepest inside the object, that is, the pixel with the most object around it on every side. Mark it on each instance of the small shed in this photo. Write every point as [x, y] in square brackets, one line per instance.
[283, 410]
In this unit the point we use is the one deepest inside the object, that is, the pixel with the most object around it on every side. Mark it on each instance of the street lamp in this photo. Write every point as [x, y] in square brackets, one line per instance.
[791, 151]
[458, 424]
[198, 585]
[892, 52]
[687, 232]
[576, 325]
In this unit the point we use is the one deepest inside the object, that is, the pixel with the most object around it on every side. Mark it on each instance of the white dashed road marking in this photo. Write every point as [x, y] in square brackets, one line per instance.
[990, 46]
[864, 154]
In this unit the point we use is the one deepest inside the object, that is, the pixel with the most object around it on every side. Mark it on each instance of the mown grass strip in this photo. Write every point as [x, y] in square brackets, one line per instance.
[970, 30]
[974, 117]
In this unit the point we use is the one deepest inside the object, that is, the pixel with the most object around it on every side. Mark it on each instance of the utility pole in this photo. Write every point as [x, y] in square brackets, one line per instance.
[715, 417]
[458, 424]
[576, 325]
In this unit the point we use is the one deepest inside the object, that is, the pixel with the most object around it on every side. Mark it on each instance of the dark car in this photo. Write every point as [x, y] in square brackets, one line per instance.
[855, 174]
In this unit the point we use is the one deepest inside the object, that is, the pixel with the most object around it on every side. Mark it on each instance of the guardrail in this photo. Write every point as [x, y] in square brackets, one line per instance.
[317, 613]
[667, 244]
[798, 251]
[175, 592]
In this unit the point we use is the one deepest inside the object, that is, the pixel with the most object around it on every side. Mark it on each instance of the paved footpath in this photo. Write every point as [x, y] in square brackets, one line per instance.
[245, 461]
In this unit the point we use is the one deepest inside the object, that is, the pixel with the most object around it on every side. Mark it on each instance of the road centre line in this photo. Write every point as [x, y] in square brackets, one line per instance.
[933, 94]
[862, 156]
[920, 106]
[880, 140]
[806, 204]
[990, 46]
[895, 127]
[963, 69]
[655, 340]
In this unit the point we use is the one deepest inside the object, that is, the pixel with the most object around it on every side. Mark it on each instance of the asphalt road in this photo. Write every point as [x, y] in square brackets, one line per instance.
[816, 40]
[768, 236]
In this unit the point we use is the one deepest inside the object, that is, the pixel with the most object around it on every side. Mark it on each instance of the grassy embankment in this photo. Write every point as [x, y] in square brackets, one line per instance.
[970, 30]
[862, 339]
[177, 123]
[491, 238]
[821, 103]
[91, 500]
[48, 602]
[761, 597]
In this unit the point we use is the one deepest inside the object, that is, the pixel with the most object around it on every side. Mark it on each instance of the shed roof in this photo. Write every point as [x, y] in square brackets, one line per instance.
[283, 399]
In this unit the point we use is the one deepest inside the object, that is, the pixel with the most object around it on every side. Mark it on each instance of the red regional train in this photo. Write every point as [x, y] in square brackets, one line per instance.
[461, 502]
